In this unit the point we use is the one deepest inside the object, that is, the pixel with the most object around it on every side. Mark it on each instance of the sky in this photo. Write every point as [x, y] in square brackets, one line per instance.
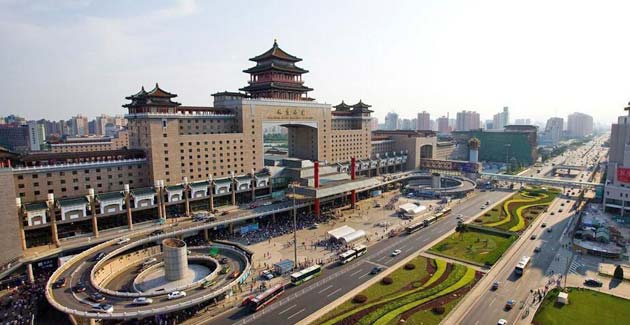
[541, 58]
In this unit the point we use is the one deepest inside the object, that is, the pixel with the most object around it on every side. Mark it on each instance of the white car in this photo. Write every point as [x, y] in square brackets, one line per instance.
[502, 322]
[149, 261]
[123, 241]
[267, 274]
[142, 301]
[107, 308]
[176, 295]
[396, 252]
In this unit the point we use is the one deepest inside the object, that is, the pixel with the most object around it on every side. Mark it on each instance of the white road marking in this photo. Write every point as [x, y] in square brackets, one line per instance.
[493, 300]
[403, 247]
[357, 271]
[303, 309]
[286, 310]
[332, 293]
[328, 287]
[382, 258]
[364, 275]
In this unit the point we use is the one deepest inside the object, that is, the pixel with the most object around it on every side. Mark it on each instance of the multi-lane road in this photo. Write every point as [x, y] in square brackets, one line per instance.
[299, 302]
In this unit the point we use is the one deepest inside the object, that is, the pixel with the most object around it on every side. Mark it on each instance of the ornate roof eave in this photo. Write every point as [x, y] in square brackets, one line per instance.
[159, 92]
[272, 66]
[274, 85]
[275, 52]
[361, 105]
[342, 106]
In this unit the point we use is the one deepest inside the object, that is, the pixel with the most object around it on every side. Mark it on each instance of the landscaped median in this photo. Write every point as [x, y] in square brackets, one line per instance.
[476, 245]
[423, 290]
[519, 210]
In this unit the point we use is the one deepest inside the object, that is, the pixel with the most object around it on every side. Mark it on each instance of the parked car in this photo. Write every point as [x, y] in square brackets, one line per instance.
[266, 274]
[142, 301]
[123, 241]
[543, 225]
[532, 237]
[60, 283]
[396, 252]
[107, 308]
[376, 269]
[593, 283]
[176, 295]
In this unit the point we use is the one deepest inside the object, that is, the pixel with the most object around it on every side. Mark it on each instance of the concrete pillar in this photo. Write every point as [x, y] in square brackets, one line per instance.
[378, 167]
[159, 200]
[436, 180]
[92, 199]
[231, 228]
[270, 186]
[211, 189]
[253, 186]
[20, 213]
[233, 186]
[162, 190]
[273, 217]
[186, 199]
[175, 255]
[128, 207]
[316, 174]
[53, 219]
[206, 237]
[29, 272]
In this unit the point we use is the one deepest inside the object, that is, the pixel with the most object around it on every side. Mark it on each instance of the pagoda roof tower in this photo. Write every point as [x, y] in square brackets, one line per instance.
[275, 75]
[156, 97]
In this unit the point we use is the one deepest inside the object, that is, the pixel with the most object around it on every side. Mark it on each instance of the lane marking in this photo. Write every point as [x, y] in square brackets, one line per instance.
[357, 271]
[303, 309]
[328, 287]
[332, 293]
[286, 310]
[491, 302]
[382, 258]
[364, 275]
[374, 263]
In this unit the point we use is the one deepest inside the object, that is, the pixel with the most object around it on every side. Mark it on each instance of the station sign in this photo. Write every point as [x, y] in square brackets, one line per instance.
[623, 174]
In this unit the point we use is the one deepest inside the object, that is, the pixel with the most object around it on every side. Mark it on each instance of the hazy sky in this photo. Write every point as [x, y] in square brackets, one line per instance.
[540, 58]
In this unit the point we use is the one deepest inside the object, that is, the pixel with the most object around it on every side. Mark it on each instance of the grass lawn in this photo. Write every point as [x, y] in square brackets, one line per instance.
[401, 277]
[475, 246]
[585, 307]
[428, 317]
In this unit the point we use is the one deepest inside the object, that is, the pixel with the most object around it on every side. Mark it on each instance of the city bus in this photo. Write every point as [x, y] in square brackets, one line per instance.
[414, 227]
[265, 298]
[522, 264]
[308, 273]
[351, 254]
[442, 213]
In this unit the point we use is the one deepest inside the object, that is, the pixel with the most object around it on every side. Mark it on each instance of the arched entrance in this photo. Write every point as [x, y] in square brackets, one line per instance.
[426, 151]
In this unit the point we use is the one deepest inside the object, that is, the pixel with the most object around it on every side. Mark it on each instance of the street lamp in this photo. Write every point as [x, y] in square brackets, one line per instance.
[295, 259]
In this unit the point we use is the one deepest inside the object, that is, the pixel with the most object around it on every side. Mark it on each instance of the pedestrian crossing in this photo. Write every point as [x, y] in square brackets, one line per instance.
[575, 266]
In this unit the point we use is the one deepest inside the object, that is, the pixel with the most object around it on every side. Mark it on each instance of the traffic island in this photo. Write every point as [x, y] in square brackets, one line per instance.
[474, 245]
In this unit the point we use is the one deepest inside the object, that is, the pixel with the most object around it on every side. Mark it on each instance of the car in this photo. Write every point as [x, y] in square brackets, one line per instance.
[568, 201]
[553, 213]
[149, 261]
[377, 205]
[593, 283]
[99, 256]
[459, 216]
[482, 207]
[176, 295]
[211, 218]
[314, 226]
[396, 252]
[376, 270]
[123, 241]
[60, 283]
[549, 229]
[266, 204]
[502, 322]
[266, 274]
[543, 225]
[225, 213]
[157, 232]
[97, 297]
[104, 308]
[560, 211]
[495, 286]
[223, 260]
[79, 287]
[142, 301]
[207, 284]
[561, 204]
[253, 206]
[510, 304]
[537, 249]
[532, 237]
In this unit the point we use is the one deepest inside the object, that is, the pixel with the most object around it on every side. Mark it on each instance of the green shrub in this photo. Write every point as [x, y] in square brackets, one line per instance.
[410, 266]
[387, 280]
[438, 310]
[359, 299]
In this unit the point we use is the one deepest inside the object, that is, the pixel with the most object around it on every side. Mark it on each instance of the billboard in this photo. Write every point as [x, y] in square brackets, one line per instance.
[623, 174]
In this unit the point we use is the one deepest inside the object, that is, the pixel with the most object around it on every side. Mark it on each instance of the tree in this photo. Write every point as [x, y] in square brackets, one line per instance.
[618, 273]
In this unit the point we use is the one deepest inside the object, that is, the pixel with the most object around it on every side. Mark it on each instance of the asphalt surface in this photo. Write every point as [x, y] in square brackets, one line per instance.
[336, 280]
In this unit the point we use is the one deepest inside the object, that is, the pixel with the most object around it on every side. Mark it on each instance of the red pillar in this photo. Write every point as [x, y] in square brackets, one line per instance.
[353, 198]
[316, 207]
[353, 172]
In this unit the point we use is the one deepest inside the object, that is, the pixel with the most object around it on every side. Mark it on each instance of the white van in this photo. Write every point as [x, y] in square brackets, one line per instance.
[123, 241]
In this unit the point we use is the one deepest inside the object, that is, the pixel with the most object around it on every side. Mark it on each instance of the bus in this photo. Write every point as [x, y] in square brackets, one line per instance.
[265, 298]
[351, 254]
[442, 213]
[414, 227]
[522, 264]
[308, 273]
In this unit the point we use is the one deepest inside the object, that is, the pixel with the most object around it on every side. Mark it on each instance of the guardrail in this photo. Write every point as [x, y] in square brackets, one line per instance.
[192, 285]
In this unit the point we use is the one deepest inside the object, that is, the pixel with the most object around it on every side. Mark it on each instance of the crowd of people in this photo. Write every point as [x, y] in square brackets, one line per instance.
[21, 303]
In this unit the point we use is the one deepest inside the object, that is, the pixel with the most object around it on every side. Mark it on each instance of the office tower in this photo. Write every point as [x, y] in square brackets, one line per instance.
[423, 121]
[579, 125]
[467, 120]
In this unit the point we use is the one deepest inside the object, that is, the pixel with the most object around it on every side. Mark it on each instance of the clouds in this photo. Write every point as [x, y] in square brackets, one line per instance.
[537, 57]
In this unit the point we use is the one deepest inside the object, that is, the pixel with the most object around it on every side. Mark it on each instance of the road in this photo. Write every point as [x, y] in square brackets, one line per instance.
[299, 302]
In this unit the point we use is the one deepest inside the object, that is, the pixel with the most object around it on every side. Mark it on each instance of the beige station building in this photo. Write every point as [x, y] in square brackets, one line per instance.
[178, 159]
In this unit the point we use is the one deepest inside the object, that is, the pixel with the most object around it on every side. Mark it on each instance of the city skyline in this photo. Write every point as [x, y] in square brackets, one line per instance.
[115, 51]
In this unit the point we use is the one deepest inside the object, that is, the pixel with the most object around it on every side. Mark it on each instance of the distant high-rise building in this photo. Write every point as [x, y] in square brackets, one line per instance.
[523, 121]
[553, 130]
[579, 125]
[467, 120]
[392, 121]
[500, 120]
[443, 125]
[423, 121]
[374, 123]
[79, 125]
[36, 135]
[407, 124]
[617, 188]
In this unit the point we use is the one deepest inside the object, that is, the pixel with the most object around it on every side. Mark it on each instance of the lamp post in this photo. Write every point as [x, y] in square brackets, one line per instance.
[295, 259]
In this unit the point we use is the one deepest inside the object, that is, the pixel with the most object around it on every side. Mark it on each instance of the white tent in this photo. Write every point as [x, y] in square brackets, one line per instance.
[338, 233]
[347, 239]
[563, 298]
[412, 209]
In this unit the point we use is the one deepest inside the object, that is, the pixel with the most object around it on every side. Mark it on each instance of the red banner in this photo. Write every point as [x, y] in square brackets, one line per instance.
[623, 174]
